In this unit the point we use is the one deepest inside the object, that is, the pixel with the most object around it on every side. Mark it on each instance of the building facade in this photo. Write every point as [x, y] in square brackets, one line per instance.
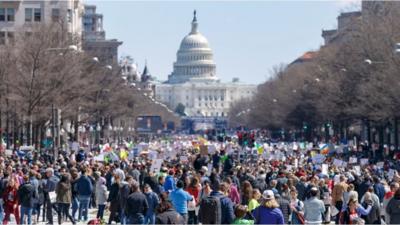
[21, 15]
[194, 83]
[94, 37]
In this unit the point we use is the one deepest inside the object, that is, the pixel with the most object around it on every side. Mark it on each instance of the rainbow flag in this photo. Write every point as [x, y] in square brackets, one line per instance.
[324, 149]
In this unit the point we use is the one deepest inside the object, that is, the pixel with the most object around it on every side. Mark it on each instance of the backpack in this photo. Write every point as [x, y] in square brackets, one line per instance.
[210, 208]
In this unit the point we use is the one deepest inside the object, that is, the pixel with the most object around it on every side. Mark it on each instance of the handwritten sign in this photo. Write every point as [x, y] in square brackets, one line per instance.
[337, 162]
[318, 158]
[324, 169]
[156, 165]
[380, 165]
[353, 160]
[364, 162]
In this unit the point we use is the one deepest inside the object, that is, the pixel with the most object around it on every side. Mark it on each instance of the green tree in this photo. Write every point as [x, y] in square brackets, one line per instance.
[180, 109]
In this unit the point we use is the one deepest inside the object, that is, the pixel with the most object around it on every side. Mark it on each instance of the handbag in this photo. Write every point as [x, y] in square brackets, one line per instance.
[300, 218]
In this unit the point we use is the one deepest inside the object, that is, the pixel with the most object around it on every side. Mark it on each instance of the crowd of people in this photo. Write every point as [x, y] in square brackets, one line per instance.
[271, 183]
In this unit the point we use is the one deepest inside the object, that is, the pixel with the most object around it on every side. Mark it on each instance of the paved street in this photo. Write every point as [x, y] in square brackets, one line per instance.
[92, 215]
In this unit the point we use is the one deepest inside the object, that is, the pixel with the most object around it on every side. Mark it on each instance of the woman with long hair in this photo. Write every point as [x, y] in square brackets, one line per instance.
[246, 192]
[193, 189]
[353, 212]
[268, 212]
[113, 199]
[64, 198]
[10, 199]
[255, 200]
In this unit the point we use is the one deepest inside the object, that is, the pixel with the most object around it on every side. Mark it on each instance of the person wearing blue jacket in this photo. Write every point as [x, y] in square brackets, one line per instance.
[268, 212]
[379, 189]
[180, 199]
[84, 189]
[169, 184]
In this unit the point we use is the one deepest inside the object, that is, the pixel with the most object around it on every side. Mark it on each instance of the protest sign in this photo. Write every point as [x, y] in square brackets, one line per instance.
[353, 160]
[99, 157]
[184, 158]
[391, 174]
[364, 162]
[337, 162]
[296, 163]
[156, 165]
[324, 169]
[318, 158]
[380, 165]
[210, 169]
[8, 152]
[212, 149]
[358, 170]
[153, 155]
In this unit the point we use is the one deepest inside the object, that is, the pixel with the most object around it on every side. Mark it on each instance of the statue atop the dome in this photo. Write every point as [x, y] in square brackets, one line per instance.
[194, 23]
[194, 16]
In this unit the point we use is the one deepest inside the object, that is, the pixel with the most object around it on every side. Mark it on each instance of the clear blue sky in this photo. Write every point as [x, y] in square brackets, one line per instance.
[247, 38]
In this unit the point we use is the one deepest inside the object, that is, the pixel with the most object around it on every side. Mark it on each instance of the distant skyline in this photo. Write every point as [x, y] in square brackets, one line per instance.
[248, 38]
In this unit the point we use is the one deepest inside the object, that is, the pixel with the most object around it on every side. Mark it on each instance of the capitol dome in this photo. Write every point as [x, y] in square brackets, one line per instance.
[194, 58]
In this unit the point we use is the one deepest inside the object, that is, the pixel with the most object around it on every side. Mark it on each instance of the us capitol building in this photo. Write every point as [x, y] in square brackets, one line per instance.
[194, 83]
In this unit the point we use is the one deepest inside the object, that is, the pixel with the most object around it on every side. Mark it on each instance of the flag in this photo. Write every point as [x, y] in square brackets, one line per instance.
[106, 148]
[129, 145]
[324, 149]
[123, 154]
[260, 149]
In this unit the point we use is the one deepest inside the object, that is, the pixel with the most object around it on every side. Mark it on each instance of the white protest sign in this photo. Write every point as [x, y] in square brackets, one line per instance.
[8, 152]
[380, 165]
[318, 159]
[296, 163]
[337, 162]
[156, 165]
[310, 146]
[391, 174]
[358, 170]
[353, 160]
[153, 155]
[210, 169]
[363, 162]
[184, 158]
[324, 169]
[99, 158]
[212, 149]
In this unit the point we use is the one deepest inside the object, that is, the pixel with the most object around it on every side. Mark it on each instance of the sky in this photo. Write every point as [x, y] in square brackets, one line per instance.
[248, 38]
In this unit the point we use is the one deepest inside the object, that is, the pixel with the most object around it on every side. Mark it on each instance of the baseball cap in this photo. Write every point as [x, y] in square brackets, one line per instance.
[268, 195]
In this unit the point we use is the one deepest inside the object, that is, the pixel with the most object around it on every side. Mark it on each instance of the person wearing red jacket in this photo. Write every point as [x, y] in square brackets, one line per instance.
[10, 198]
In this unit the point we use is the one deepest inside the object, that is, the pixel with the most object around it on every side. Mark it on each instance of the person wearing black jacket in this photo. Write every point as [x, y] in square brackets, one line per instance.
[136, 205]
[26, 195]
[113, 199]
